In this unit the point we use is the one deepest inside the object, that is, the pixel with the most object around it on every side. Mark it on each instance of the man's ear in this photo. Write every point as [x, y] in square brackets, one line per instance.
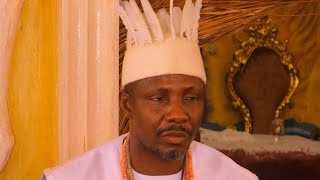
[125, 102]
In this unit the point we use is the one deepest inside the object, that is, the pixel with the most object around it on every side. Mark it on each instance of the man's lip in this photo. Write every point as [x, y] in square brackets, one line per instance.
[175, 134]
[175, 137]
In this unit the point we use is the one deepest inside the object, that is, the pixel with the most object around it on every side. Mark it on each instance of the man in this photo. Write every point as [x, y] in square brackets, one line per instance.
[163, 82]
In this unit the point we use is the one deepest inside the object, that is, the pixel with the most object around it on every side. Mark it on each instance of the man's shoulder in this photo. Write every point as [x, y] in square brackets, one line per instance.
[99, 162]
[203, 149]
[210, 162]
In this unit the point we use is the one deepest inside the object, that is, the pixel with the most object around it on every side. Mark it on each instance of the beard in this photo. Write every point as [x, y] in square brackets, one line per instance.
[175, 154]
[171, 155]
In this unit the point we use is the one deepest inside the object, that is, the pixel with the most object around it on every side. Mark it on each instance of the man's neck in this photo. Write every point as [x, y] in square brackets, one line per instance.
[145, 162]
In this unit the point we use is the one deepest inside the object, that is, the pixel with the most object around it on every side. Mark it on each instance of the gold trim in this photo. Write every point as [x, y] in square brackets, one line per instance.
[262, 34]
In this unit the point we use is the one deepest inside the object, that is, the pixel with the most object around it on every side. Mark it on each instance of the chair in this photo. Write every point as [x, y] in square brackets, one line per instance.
[262, 78]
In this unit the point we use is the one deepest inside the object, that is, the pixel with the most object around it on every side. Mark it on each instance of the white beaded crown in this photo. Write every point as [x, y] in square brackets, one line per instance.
[161, 43]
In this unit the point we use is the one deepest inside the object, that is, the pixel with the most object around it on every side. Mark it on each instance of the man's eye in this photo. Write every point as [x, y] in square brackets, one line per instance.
[158, 98]
[192, 98]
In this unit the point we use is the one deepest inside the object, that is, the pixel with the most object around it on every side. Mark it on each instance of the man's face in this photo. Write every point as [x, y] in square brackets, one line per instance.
[165, 113]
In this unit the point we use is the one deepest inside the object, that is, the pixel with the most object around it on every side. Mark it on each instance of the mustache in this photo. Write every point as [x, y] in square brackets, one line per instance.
[159, 131]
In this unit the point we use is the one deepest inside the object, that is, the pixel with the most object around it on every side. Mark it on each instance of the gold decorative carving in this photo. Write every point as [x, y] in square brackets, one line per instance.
[261, 34]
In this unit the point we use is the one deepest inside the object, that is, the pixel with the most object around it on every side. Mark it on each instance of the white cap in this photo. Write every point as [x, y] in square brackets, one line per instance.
[161, 44]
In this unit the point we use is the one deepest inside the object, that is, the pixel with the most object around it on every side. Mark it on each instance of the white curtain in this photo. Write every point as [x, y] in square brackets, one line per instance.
[88, 75]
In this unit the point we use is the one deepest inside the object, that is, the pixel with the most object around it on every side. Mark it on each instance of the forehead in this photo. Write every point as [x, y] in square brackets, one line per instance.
[172, 81]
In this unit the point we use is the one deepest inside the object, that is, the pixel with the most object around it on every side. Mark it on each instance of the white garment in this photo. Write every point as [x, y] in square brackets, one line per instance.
[138, 176]
[103, 163]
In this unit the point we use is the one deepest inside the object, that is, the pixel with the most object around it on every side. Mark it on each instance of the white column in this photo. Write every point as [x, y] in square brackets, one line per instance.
[88, 75]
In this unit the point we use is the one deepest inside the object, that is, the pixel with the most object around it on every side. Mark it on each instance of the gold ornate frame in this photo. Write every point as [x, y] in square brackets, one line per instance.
[261, 34]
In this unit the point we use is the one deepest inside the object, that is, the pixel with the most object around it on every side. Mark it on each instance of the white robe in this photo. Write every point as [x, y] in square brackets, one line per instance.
[103, 163]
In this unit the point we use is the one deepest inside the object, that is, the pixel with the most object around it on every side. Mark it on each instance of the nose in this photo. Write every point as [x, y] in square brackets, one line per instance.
[176, 113]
